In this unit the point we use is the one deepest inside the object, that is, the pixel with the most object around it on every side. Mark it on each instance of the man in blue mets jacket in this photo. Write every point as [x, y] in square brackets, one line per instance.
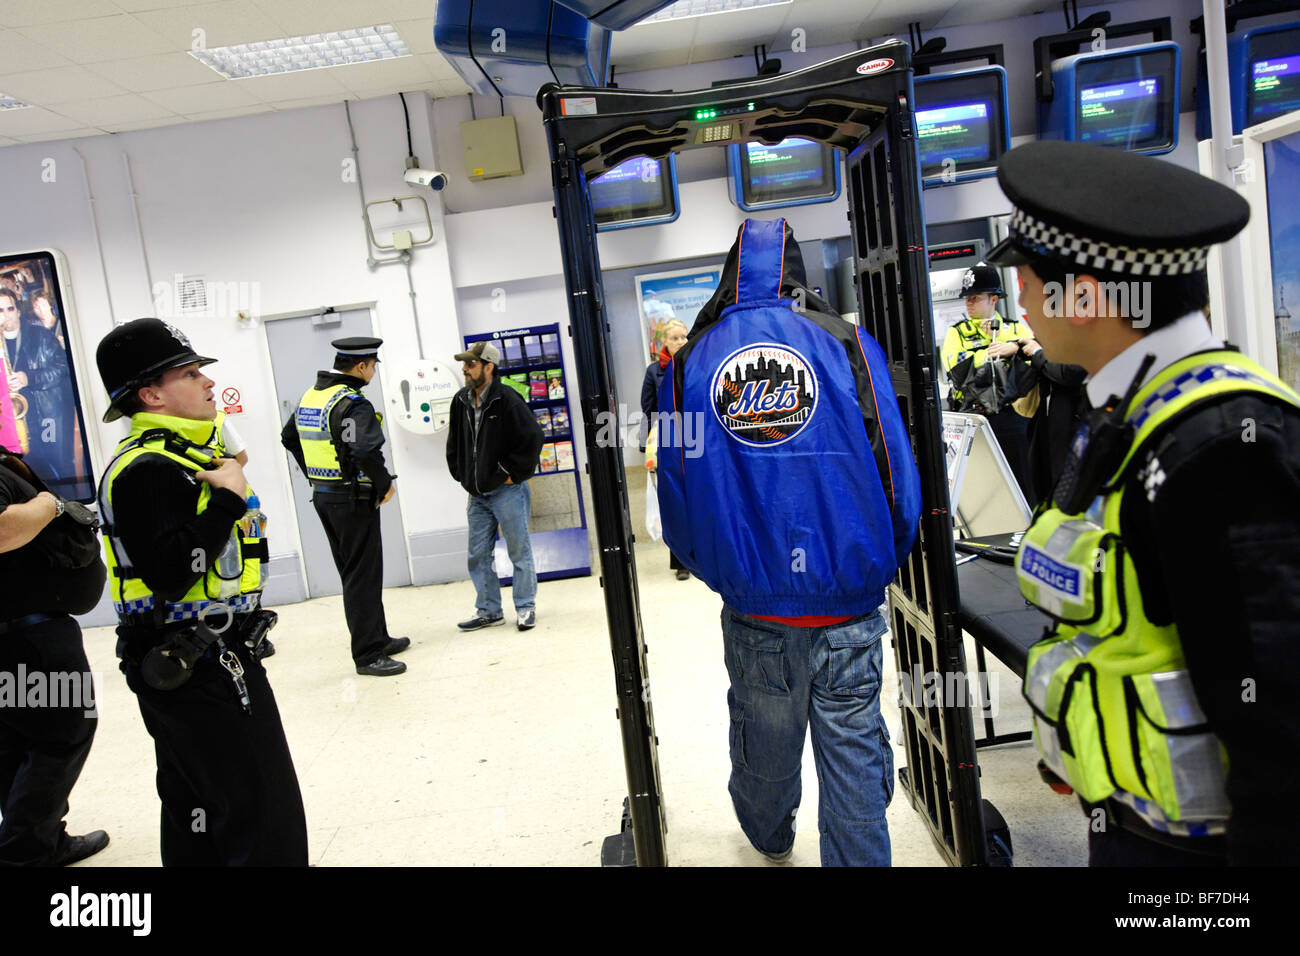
[797, 502]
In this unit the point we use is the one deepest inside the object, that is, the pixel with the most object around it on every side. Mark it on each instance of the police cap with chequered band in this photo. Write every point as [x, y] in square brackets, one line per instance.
[137, 352]
[980, 279]
[358, 348]
[1111, 211]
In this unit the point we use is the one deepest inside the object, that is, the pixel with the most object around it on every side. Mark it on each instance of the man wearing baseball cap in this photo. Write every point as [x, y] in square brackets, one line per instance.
[185, 575]
[492, 450]
[1169, 554]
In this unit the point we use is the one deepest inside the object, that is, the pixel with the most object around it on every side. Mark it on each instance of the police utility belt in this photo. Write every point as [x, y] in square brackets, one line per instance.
[1114, 710]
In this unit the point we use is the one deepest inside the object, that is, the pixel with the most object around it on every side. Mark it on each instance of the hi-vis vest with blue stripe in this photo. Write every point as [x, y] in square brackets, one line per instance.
[319, 454]
[234, 579]
[1115, 713]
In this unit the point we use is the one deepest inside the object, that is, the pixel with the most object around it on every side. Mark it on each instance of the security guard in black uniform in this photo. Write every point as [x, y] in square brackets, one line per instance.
[1168, 694]
[185, 556]
[335, 437]
[982, 356]
[50, 564]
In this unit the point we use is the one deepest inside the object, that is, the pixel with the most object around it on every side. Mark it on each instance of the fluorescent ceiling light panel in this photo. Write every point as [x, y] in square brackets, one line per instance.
[699, 8]
[314, 52]
[9, 103]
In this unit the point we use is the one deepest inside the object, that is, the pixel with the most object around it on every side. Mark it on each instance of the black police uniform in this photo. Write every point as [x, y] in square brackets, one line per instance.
[42, 749]
[229, 792]
[350, 513]
[1211, 518]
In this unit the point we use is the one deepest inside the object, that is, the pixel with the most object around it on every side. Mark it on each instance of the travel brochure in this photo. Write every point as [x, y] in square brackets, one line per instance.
[517, 350]
[556, 456]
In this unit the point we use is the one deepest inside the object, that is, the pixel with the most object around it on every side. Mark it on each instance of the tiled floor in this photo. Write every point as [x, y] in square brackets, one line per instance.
[501, 747]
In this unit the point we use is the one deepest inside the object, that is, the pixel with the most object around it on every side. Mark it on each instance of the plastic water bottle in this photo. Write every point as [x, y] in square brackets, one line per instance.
[253, 523]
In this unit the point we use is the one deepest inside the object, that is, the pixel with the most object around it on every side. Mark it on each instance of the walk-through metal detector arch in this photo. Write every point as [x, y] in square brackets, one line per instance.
[861, 104]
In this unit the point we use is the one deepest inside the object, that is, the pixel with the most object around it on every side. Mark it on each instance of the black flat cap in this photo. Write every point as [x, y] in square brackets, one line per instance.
[358, 347]
[1112, 211]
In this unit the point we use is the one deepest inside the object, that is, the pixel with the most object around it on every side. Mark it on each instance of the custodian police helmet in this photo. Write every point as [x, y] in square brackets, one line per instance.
[134, 354]
[979, 279]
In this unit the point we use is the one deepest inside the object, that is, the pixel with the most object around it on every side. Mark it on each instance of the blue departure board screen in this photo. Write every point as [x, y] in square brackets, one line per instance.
[794, 170]
[961, 124]
[1274, 81]
[1127, 100]
[637, 192]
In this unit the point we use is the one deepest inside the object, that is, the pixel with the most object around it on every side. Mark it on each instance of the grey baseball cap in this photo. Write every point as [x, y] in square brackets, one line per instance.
[483, 351]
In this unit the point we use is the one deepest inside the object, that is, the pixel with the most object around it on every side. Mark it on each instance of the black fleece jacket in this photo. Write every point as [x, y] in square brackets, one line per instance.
[507, 445]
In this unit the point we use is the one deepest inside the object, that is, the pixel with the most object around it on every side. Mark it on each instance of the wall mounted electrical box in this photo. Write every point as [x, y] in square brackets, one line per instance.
[491, 148]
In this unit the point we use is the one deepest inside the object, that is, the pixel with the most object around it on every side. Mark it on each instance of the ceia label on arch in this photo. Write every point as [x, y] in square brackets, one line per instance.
[875, 66]
[764, 394]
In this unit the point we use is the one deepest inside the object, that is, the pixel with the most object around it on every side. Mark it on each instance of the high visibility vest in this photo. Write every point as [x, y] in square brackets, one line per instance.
[965, 339]
[319, 452]
[233, 581]
[1114, 710]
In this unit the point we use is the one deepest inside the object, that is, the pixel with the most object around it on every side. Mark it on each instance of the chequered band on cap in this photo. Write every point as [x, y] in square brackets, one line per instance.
[1048, 240]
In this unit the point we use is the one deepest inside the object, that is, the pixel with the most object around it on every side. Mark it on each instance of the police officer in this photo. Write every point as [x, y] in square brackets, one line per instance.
[982, 355]
[335, 437]
[1166, 696]
[50, 564]
[185, 559]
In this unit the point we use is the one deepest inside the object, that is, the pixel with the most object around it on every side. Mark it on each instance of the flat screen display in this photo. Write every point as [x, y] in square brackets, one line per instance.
[1127, 101]
[794, 170]
[40, 411]
[1274, 81]
[961, 124]
[637, 192]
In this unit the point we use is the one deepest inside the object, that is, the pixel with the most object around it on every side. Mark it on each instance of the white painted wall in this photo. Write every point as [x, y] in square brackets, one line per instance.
[257, 200]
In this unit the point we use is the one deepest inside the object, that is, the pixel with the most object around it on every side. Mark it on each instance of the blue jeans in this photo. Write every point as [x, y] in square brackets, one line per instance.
[782, 679]
[508, 506]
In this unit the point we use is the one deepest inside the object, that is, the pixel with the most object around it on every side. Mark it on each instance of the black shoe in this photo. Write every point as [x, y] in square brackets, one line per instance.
[396, 645]
[82, 847]
[477, 621]
[382, 667]
[683, 574]
[527, 620]
[265, 649]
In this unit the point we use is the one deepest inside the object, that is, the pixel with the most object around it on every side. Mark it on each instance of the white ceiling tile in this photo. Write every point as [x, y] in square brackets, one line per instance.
[306, 102]
[159, 72]
[445, 88]
[60, 85]
[222, 23]
[740, 26]
[438, 66]
[403, 73]
[221, 95]
[19, 54]
[402, 9]
[98, 39]
[416, 34]
[302, 17]
[651, 38]
[130, 108]
[16, 13]
[34, 120]
[299, 85]
[227, 114]
[135, 6]
[80, 133]
[128, 126]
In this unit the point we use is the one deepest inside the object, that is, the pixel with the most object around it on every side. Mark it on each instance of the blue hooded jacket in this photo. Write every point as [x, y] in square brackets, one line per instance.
[786, 477]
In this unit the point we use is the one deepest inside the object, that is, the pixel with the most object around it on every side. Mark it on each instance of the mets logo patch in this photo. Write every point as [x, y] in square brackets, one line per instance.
[764, 394]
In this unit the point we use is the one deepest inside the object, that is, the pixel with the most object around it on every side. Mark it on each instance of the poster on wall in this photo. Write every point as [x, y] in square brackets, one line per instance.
[664, 296]
[1282, 172]
[40, 414]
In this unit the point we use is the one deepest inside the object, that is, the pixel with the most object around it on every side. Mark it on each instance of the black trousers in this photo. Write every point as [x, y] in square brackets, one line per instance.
[42, 748]
[1012, 432]
[353, 533]
[1116, 846]
[229, 791]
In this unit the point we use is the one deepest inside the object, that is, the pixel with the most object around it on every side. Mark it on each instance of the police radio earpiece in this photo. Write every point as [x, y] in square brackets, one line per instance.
[1098, 449]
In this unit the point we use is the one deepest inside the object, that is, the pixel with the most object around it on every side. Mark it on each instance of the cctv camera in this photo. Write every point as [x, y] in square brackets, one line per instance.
[426, 177]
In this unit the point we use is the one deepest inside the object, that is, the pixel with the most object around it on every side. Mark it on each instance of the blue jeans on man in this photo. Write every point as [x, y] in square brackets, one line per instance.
[508, 506]
[783, 679]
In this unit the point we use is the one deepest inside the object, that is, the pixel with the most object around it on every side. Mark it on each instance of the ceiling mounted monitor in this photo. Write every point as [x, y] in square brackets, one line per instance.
[794, 172]
[961, 124]
[636, 192]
